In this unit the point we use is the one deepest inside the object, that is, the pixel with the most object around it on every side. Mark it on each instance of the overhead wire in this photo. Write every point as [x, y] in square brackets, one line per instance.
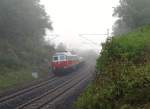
[88, 40]
[92, 42]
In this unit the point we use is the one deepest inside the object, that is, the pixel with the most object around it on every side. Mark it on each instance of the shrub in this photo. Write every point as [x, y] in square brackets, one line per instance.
[123, 78]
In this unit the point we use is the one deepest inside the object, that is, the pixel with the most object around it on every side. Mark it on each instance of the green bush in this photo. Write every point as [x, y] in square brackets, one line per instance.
[123, 74]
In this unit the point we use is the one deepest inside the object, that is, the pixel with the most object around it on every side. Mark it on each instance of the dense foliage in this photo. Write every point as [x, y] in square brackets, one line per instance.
[22, 30]
[132, 14]
[123, 74]
[22, 45]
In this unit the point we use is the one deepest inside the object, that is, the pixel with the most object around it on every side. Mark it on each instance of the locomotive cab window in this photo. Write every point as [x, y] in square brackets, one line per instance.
[55, 58]
[62, 57]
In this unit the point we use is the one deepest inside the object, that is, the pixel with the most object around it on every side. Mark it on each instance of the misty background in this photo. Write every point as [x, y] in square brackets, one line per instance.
[73, 17]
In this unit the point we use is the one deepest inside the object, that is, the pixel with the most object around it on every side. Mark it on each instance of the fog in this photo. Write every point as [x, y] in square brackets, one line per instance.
[73, 17]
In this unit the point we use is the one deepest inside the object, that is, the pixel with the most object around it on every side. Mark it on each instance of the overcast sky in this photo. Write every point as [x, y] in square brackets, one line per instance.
[73, 17]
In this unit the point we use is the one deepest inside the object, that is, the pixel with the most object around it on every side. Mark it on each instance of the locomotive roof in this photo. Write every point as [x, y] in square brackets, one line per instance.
[64, 53]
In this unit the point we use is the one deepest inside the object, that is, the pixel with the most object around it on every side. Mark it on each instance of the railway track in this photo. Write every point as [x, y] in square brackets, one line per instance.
[41, 94]
[11, 101]
[25, 90]
[64, 94]
[53, 94]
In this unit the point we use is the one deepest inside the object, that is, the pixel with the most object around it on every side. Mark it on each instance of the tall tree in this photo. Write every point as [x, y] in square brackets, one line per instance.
[22, 29]
[61, 47]
[131, 14]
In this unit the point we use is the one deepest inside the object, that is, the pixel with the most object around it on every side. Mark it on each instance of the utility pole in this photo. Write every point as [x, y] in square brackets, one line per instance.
[108, 33]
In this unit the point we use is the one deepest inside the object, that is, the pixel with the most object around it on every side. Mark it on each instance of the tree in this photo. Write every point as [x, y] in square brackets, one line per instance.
[61, 47]
[132, 14]
[22, 29]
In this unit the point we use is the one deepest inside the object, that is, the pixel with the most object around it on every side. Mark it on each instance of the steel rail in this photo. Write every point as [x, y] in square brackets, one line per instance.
[37, 102]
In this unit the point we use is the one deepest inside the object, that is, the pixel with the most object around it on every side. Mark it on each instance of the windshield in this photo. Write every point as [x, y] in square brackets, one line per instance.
[55, 58]
[62, 57]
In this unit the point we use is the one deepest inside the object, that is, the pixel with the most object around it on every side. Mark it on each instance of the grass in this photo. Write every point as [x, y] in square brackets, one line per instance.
[14, 78]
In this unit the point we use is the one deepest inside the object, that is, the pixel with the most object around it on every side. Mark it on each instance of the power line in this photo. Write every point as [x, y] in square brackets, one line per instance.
[90, 43]
[93, 34]
[81, 35]
[88, 40]
[106, 34]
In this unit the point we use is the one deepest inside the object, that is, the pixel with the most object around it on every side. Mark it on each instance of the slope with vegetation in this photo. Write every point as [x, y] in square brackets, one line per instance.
[22, 45]
[123, 74]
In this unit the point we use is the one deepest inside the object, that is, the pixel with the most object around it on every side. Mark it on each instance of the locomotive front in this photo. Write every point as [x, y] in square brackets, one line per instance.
[63, 62]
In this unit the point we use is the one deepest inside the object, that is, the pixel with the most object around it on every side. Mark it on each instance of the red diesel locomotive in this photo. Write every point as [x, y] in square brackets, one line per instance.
[65, 61]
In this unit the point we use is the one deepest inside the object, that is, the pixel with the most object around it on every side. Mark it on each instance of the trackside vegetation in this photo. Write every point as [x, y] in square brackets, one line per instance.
[23, 49]
[123, 74]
